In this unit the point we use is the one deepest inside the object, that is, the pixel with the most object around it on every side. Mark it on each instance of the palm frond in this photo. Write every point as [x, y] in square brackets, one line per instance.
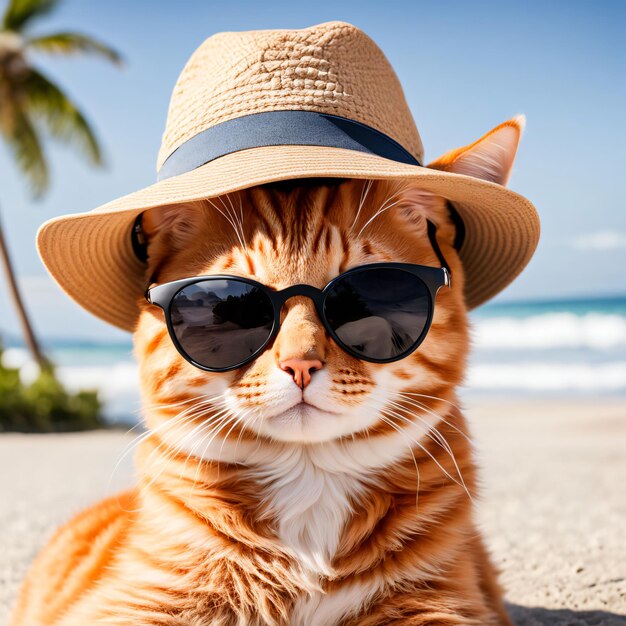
[46, 102]
[20, 12]
[23, 141]
[73, 43]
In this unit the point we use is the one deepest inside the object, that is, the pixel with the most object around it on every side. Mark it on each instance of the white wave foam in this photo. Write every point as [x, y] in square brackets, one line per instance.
[15, 358]
[530, 376]
[552, 330]
[117, 384]
[111, 380]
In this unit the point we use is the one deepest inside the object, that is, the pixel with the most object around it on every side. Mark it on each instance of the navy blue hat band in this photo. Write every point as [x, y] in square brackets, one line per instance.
[276, 128]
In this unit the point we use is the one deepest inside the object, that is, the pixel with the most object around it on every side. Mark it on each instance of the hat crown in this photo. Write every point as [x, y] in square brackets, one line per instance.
[332, 68]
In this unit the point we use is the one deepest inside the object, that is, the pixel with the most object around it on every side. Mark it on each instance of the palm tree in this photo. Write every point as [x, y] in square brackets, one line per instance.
[30, 102]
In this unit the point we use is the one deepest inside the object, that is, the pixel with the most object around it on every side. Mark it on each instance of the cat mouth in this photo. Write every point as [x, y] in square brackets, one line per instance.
[304, 409]
[306, 423]
[318, 408]
[303, 422]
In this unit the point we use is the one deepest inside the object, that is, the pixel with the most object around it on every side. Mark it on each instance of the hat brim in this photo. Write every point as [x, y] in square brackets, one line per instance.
[91, 257]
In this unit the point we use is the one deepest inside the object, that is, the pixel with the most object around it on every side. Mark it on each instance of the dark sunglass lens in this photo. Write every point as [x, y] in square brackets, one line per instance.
[378, 313]
[221, 323]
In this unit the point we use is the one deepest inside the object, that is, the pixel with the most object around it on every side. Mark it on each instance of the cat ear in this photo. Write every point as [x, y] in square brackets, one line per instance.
[490, 158]
[173, 224]
[416, 205]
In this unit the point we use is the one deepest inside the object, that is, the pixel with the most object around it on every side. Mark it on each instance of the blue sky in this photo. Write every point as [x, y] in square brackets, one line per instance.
[465, 67]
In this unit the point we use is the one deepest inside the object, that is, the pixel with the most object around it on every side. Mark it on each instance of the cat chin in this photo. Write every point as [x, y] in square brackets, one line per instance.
[305, 423]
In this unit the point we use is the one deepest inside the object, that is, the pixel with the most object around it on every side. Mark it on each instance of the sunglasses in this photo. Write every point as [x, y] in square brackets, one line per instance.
[379, 313]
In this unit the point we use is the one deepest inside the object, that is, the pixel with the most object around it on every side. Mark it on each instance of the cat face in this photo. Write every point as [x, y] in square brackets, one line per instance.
[304, 388]
[282, 236]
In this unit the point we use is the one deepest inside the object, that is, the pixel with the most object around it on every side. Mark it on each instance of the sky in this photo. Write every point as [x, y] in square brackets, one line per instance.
[465, 67]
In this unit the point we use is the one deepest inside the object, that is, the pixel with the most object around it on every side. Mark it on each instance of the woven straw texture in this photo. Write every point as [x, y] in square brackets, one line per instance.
[332, 68]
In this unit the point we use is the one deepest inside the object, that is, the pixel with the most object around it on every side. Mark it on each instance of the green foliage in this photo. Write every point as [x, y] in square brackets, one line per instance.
[74, 43]
[19, 13]
[44, 405]
[31, 103]
[59, 115]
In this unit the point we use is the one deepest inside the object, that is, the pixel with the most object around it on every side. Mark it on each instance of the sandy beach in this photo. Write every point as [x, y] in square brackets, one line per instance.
[554, 505]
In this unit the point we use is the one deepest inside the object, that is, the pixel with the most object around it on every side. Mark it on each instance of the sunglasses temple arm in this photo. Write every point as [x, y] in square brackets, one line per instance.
[432, 236]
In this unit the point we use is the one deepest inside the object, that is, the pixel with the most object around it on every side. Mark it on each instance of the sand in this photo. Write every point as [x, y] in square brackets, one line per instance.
[553, 510]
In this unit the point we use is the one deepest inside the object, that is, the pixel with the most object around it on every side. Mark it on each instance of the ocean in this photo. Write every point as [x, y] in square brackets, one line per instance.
[547, 348]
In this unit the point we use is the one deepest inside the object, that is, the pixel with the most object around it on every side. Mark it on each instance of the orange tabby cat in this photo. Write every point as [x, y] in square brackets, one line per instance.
[253, 508]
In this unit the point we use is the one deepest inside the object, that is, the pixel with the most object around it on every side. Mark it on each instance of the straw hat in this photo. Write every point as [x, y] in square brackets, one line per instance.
[262, 106]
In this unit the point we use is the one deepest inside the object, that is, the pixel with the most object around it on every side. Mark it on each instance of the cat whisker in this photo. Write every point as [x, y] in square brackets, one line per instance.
[366, 188]
[443, 443]
[461, 481]
[165, 459]
[232, 212]
[241, 209]
[168, 423]
[142, 409]
[237, 421]
[410, 447]
[203, 397]
[172, 450]
[168, 405]
[207, 439]
[387, 204]
[247, 425]
[209, 426]
[181, 421]
[441, 439]
[238, 217]
[170, 453]
[428, 410]
[229, 220]
[423, 395]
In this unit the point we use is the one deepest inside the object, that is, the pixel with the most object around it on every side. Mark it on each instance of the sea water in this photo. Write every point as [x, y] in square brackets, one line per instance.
[565, 347]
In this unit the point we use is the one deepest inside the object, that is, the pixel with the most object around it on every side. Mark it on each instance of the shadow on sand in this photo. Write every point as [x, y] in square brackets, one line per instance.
[532, 616]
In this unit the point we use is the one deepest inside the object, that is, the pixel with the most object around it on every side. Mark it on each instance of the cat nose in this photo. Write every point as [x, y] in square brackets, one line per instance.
[301, 370]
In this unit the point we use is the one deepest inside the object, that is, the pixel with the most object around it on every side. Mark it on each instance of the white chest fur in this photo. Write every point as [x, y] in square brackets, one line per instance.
[310, 503]
[326, 609]
[308, 493]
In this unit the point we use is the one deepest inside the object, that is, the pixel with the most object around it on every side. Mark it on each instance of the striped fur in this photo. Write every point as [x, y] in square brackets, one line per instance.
[254, 509]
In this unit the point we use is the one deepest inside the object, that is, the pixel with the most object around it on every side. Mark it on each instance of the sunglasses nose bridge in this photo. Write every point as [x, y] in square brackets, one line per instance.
[301, 334]
[307, 291]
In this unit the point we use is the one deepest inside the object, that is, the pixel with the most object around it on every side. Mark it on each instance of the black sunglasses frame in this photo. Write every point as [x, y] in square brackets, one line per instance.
[432, 277]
